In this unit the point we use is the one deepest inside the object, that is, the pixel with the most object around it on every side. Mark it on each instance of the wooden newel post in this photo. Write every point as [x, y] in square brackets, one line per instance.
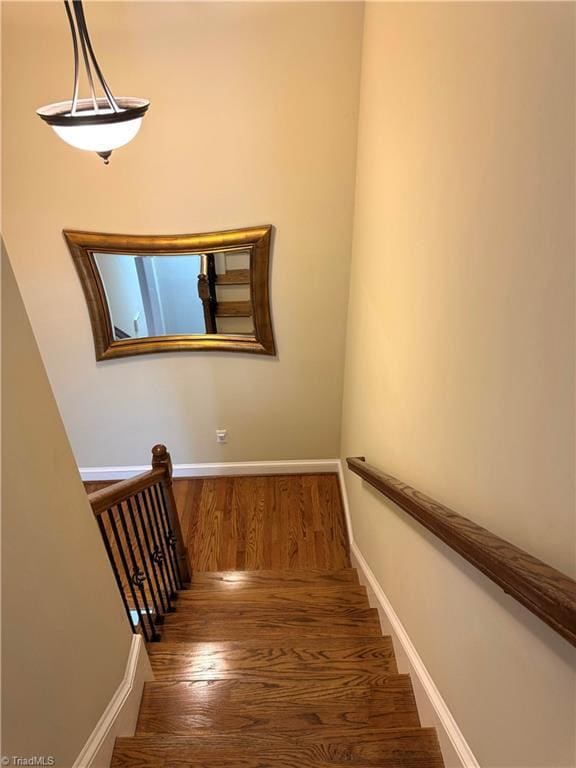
[161, 460]
[207, 291]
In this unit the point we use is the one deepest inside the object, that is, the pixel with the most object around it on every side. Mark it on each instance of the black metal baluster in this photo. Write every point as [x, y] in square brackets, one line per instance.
[171, 536]
[158, 555]
[138, 577]
[158, 617]
[163, 543]
[168, 534]
[159, 552]
[112, 559]
[127, 574]
[156, 569]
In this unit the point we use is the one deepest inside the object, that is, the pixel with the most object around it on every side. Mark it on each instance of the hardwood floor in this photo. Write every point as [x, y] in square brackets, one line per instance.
[252, 523]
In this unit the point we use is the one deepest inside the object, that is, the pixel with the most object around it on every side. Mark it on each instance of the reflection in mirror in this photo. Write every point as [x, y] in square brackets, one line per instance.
[176, 292]
[160, 295]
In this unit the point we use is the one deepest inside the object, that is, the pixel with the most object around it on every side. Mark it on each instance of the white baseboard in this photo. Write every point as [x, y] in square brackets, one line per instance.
[345, 505]
[432, 708]
[120, 716]
[222, 469]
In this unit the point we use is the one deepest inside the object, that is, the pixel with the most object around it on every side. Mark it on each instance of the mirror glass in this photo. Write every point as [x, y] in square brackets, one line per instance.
[165, 295]
[162, 293]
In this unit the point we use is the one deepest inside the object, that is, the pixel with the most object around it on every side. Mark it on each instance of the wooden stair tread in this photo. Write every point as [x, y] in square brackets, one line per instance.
[360, 687]
[234, 309]
[234, 277]
[381, 748]
[253, 660]
[277, 597]
[189, 611]
[215, 580]
[346, 704]
[276, 669]
[196, 625]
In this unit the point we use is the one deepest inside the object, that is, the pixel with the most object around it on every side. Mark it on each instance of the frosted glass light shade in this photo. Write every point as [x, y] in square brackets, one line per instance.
[99, 138]
[96, 130]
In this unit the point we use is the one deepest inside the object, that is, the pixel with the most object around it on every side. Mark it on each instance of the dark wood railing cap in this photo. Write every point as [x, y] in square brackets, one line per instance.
[159, 454]
[108, 497]
[546, 592]
[161, 460]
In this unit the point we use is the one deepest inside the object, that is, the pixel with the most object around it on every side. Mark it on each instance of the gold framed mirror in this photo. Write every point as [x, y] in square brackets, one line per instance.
[167, 293]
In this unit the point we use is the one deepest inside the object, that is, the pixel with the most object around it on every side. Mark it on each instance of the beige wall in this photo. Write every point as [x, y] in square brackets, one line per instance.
[460, 358]
[65, 636]
[253, 121]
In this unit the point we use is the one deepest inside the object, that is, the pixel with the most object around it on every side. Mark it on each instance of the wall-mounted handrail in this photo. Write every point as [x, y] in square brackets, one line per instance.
[546, 592]
[141, 531]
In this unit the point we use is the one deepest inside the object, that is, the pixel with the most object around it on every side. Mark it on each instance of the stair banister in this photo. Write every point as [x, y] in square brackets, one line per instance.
[546, 592]
[139, 524]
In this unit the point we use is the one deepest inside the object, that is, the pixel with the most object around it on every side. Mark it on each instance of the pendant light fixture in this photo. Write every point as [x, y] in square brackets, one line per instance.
[95, 124]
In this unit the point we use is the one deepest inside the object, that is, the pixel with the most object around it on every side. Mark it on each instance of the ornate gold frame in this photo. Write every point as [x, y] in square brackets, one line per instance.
[83, 246]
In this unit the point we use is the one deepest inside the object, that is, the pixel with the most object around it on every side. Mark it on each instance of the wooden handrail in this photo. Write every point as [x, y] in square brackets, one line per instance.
[161, 472]
[546, 592]
[113, 494]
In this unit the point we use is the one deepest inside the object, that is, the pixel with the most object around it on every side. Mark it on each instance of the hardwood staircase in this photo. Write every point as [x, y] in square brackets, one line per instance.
[276, 669]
